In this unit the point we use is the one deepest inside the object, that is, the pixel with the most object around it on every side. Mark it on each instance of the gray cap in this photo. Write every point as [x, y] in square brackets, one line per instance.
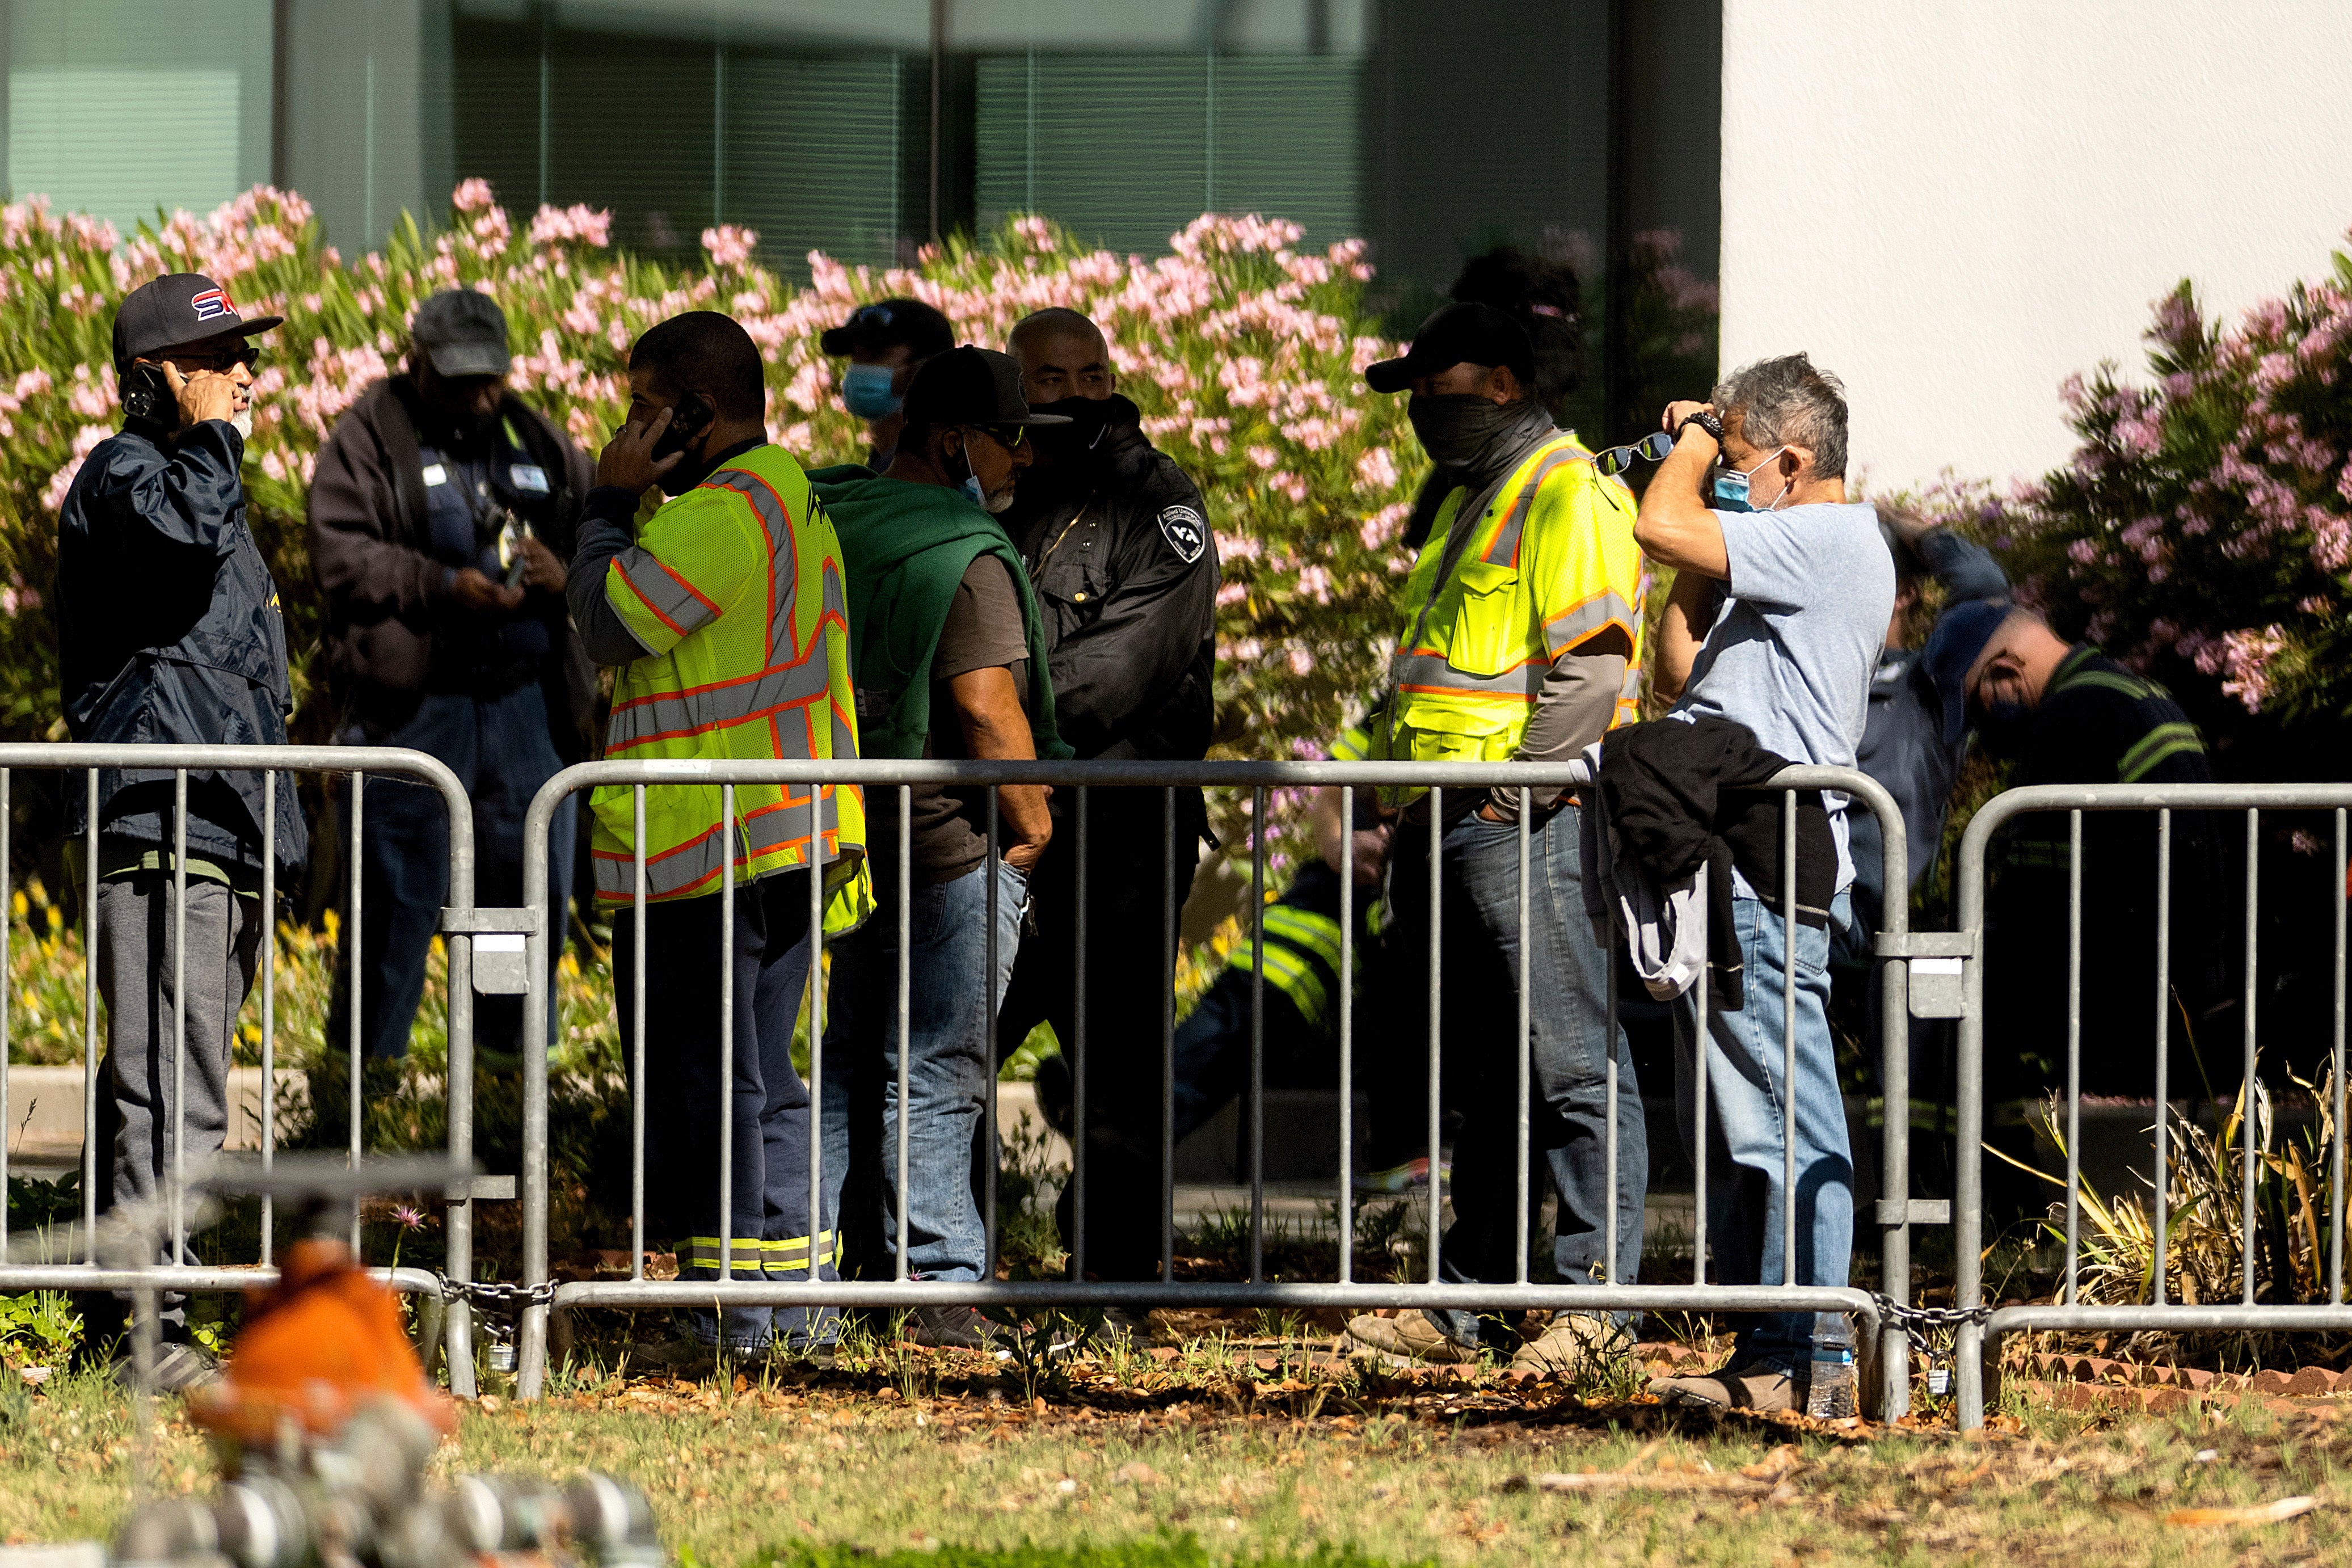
[463, 333]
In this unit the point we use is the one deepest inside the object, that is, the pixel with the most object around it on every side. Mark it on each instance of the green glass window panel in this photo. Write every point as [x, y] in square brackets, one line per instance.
[1126, 150]
[203, 71]
[813, 155]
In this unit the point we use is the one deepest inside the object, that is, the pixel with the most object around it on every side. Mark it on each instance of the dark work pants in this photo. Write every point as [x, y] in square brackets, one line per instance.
[1130, 895]
[141, 1115]
[766, 1107]
[499, 750]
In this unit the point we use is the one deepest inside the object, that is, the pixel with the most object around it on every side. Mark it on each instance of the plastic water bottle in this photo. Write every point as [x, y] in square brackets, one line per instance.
[1829, 1391]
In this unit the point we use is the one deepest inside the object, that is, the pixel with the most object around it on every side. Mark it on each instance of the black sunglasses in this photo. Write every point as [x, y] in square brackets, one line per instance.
[1617, 459]
[219, 362]
[1005, 436]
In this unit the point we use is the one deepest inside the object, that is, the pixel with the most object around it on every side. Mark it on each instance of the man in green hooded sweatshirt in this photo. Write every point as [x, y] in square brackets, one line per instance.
[948, 657]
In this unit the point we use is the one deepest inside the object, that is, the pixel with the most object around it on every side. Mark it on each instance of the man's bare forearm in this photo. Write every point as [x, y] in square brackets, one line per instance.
[1676, 527]
[995, 725]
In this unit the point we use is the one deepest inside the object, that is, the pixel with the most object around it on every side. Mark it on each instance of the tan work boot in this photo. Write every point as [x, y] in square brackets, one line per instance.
[1409, 1339]
[1571, 1347]
[1756, 1387]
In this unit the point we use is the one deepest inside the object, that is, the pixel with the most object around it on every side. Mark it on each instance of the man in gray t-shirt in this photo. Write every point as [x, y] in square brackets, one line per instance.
[1794, 634]
[1779, 606]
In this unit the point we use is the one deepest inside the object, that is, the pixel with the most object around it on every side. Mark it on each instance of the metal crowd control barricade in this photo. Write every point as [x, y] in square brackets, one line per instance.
[177, 762]
[1895, 947]
[1981, 1329]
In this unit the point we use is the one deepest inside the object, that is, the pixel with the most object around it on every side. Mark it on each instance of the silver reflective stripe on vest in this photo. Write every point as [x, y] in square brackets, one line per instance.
[695, 865]
[1504, 550]
[1572, 626]
[1430, 672]
[682, 609]
[767, 696]
[785, 567]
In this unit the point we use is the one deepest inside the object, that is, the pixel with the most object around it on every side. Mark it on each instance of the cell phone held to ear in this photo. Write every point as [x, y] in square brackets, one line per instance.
[689, 417]
[147, 395]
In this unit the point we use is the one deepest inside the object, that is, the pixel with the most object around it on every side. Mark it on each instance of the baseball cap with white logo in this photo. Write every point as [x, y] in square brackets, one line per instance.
[177, 307]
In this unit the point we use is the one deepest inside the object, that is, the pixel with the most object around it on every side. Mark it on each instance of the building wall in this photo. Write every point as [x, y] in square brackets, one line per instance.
[1955, 214]
[116, 107]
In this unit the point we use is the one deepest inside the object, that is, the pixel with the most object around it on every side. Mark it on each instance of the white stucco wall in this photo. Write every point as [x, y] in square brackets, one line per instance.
[1955, 207]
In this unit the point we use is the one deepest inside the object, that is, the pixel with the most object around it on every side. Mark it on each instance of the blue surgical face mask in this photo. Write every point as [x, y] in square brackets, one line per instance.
[1732, 487]
[866, 392]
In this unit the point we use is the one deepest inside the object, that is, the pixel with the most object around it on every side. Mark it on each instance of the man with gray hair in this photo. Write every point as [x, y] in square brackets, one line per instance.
[1779, 607]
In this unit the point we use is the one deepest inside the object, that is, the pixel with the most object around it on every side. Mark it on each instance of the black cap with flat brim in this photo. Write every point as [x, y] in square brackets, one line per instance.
[176, 309]
[463, 333]
[886, 323]
[1457, 334]
[971, 386]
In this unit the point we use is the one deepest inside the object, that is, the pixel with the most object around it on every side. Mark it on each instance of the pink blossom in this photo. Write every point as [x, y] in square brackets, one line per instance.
[1376, 469]
[1385, 526]
[472, 196]
[2247, 656]
[728, 245]
[578, 223]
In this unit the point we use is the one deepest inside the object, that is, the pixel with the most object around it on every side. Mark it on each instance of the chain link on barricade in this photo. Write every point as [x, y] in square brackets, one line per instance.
[734, 1277]
[46, 1261]
[502, 1306]
[1933, 1334]
[1980, 1331]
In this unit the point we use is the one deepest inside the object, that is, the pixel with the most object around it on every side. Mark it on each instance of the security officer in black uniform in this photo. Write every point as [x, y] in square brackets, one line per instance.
[170, 631]
[1120, 550]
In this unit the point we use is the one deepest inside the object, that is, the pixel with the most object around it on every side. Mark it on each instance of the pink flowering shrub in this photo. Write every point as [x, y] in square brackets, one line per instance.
[2203, 529]
[1241, 349]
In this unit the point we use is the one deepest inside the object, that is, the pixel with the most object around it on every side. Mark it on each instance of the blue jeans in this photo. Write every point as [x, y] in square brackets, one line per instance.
[949, 1000]
[1572, 1040]
[766, 1104]
[1750, 1100]
[499, 750]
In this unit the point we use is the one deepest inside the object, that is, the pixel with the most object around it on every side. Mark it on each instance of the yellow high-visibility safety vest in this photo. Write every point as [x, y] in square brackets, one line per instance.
[1553, 566]
[735, 589]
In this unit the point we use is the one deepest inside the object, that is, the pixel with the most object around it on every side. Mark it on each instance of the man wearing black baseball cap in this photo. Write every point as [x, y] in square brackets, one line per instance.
[442, 515]
[1523, 644]
[169, 632]
[949, 664]
[951, 661]
[886, 343]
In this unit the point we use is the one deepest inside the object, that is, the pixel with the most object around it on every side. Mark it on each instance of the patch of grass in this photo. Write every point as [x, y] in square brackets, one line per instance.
[1153, 1467]
[1181, 1551]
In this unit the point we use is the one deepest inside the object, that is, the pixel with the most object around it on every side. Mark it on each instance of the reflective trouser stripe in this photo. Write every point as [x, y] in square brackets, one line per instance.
[790, 1256]
[755, 1256]
[1304, 928]
[702, 1252]
[1296, 977]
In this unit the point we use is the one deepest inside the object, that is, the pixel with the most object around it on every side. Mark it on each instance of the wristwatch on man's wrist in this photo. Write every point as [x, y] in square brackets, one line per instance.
[1705, 421]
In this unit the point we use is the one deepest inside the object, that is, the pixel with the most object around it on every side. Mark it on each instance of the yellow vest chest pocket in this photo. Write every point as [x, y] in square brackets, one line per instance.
[1490, 632]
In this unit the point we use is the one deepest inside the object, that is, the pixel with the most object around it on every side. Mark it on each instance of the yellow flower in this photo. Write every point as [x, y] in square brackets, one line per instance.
[22, 905]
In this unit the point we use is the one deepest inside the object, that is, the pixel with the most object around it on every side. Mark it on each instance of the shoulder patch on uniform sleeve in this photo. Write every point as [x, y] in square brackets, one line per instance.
[1186, 530]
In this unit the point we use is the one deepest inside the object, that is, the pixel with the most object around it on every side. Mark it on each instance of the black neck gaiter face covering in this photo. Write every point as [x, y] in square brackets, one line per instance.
[1477, 438]
[1079, 444]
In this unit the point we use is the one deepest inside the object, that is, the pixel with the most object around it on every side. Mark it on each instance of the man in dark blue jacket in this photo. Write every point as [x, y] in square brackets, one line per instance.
[171, 633]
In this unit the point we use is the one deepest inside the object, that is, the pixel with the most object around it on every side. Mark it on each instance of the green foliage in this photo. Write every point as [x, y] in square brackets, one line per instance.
[2203, 528]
